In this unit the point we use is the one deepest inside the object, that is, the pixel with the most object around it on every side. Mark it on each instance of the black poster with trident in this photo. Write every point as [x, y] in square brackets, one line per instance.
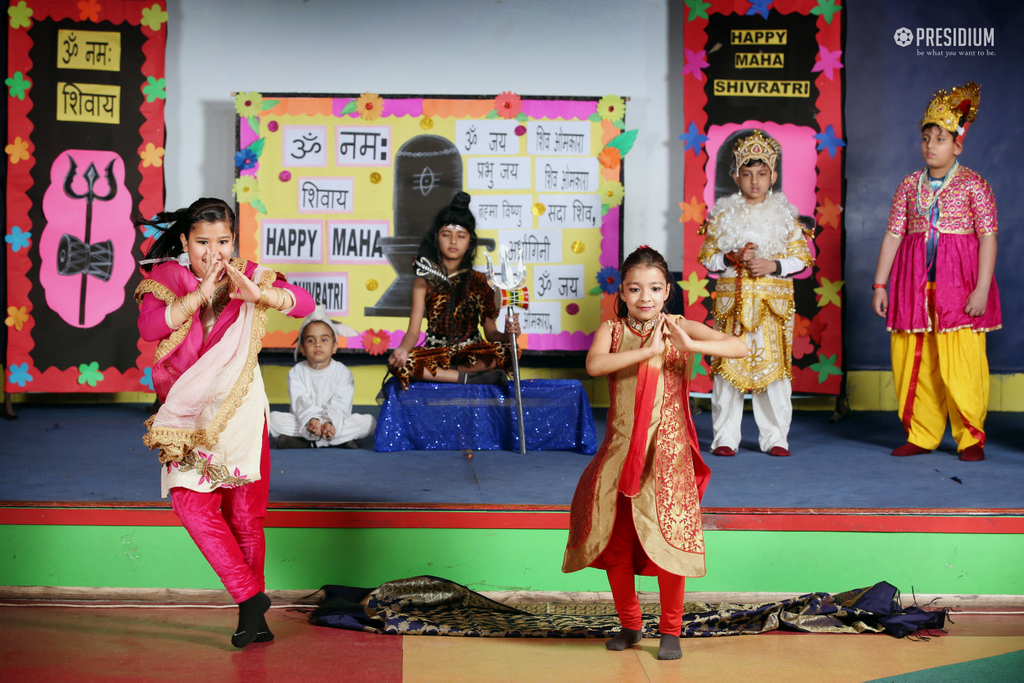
[86, 125]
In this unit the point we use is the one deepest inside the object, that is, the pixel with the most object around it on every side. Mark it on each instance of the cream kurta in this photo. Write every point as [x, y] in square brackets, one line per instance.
[666, 513]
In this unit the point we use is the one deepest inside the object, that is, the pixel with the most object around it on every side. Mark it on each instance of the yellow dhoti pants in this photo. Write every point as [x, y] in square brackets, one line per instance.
[939, 374]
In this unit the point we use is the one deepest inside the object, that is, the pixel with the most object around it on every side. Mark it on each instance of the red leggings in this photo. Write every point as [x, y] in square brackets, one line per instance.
[227, 525]
[618, 557]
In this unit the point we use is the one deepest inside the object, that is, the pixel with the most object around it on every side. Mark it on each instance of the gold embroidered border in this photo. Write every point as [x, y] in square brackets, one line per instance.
[161, 292]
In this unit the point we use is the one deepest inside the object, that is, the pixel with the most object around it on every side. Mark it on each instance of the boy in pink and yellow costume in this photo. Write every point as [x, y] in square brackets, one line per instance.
[940, 251]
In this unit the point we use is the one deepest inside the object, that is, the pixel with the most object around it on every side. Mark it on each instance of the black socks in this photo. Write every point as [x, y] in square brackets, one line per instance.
[250, 619]
[263, 633]
[627, 637]
[669, 647]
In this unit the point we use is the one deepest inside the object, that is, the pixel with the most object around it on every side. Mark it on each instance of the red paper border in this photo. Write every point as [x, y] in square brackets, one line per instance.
[829, 184]
[19, 182]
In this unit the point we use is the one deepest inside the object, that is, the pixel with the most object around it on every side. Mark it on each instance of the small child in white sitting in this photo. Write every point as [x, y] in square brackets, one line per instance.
[321, 392]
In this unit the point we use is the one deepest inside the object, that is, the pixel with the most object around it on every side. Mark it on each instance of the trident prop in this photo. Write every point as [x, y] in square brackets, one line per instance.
[510, 292]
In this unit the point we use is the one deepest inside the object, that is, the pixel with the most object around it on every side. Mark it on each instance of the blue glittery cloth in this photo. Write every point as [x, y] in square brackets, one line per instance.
[451, 417]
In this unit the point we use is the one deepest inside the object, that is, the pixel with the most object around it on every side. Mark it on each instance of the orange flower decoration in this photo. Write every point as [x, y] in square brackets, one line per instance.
[828, 213]
[508, 105]
[610, 157]
[370, 106]
[152, 155]
[800, 326]
[16, 317]
[17, 150]
[90, 10]
[693, 211]
[376, 341]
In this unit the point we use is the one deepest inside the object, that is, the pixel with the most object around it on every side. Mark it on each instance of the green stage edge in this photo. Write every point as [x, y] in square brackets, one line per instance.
[794, 562]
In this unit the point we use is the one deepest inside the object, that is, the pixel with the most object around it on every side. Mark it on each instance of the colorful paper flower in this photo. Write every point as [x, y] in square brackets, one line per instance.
[572, 309]
[826, 8]
[508, 105]
[153, 17]
[695, 288]
[825, 366]
[695, 62]
[155, 89]
[828, 213]
[376, 341]
[273, 126]
[698, 9]
[609, 279]
[21, 17]
[152, 155]
[828, 140]
[611, 192]
[693, 139]
[248, 104]
[18, 374]
[611, 107]
[370, 106]
[147, 378]
[17, 317]
[829, 292]
[89, 373]
[154, 231]
[18, 239]
[801, 325]
[693, 211]
[17, 85]
[610, 157]
[90, 10]
[285, 176]
[246, 189]
[246, 159]
[17, 150]
[827, 62]
[759, 7]
[802, 346]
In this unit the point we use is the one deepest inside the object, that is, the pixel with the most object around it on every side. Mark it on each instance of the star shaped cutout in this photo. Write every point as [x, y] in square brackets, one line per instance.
[828, 62]
[692, 139]
[828, 140]
[828, 213]
[829, 292]
[695, 61]
[694, 287]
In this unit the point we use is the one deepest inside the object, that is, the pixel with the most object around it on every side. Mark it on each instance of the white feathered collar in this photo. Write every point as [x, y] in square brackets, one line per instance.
[768, 224]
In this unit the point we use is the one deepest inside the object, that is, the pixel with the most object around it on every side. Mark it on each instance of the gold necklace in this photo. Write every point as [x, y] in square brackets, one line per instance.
[641, 328]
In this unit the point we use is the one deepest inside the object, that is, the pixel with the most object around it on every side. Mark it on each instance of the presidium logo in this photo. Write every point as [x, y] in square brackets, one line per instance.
[946, 37]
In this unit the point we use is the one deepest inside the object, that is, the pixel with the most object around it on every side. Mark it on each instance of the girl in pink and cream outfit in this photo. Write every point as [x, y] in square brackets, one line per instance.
[207, 310]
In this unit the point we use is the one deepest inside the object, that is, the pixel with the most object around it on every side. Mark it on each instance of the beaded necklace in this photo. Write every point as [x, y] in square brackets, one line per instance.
[926, 197]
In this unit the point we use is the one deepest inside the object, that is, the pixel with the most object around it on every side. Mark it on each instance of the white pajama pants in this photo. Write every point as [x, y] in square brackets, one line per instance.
[773, 413]
[356, 426]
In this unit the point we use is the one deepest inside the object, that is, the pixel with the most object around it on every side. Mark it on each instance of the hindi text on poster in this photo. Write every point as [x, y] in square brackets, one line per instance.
[89, 103]
[325, 195]
[363, 145]
[90, 50]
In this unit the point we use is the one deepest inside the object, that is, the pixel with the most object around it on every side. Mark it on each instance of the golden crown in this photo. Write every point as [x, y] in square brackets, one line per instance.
[758, 146]
[954, 110]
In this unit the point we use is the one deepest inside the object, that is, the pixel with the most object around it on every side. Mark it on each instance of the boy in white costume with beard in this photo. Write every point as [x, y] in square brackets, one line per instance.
[320, 391]
[756, 244]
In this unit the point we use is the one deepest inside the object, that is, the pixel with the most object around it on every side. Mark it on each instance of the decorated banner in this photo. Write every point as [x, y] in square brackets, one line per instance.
[337, 192]
[85, 101]
[774, 66]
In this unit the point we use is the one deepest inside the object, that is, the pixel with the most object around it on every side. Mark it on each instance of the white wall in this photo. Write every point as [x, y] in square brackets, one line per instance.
[448, 47]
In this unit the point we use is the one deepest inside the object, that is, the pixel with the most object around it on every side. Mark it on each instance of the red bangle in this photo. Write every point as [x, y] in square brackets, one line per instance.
[877, 286]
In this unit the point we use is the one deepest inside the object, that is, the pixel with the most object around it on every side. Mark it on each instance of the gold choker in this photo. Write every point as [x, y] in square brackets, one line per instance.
[641, 328]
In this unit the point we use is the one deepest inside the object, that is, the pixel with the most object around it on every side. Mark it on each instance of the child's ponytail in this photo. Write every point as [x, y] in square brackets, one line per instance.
[173, 224]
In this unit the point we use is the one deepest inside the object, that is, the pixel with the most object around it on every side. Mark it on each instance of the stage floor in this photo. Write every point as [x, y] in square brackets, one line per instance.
[94, 453]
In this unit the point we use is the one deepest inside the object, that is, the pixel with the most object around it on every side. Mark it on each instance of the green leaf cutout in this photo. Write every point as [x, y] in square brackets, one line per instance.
[624, 142]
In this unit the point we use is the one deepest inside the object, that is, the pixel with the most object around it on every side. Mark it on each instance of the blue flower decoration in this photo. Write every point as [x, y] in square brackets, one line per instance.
[245, 159]
[154, 231]
[17, 239]
[19, 374]
[829, 141]
[759, 7]
[147, 378]
[692, 139]
[609, 279]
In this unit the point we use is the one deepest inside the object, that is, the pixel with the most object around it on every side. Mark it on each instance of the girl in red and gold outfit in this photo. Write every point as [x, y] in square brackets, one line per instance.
[637, 506]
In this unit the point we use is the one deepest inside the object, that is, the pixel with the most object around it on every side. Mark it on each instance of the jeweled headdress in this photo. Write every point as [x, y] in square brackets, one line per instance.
[758, 146]
[954, 110]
